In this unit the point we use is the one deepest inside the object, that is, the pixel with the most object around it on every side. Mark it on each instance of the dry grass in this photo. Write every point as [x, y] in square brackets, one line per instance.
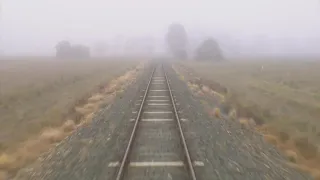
[43, 101]
[247, 122]
[3, 175]
[271, 139]
[283, 98]
[41, 93]
[69, 125]
[232, 114]
[205, 89]
[284, 93]
[291, 155]
[216, 112]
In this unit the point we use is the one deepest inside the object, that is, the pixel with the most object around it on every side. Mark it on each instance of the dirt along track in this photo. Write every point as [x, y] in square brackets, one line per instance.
[216, 149]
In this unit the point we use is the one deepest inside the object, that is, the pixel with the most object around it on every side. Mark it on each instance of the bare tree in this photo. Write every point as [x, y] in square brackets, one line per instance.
[177, 40]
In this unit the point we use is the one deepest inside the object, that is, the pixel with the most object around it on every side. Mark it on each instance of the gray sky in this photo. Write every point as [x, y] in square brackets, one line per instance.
[36, 25]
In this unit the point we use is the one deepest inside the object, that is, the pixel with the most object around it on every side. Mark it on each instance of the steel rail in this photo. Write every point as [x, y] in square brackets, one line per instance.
[185, 147]
[124, 160]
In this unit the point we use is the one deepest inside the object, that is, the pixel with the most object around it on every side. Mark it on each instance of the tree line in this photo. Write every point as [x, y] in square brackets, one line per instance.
[177, 40]
[65, 49]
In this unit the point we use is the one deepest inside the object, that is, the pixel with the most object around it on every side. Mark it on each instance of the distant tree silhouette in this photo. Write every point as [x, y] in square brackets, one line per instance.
[177, 39]
[65, 50]
[209, 50]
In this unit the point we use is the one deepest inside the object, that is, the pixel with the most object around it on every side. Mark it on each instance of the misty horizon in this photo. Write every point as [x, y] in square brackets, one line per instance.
[267, 26]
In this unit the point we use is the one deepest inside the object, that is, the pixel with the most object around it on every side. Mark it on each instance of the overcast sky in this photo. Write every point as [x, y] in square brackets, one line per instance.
[36, 25]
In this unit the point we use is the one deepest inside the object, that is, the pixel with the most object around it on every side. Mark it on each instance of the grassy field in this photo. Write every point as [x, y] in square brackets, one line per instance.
[283, 97]
[287, 92]
[40, 93]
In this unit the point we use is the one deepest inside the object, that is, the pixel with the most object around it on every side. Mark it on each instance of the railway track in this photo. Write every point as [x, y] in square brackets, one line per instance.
[157, 148]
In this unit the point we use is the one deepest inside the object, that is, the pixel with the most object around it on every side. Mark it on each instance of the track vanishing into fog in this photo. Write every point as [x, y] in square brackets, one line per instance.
[157, 146]
[158, 130]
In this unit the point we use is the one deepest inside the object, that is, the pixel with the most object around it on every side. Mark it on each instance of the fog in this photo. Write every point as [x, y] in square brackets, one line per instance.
[34, 27]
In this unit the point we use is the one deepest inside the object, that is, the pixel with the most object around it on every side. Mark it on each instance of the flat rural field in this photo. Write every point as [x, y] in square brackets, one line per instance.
[35, 94]
[283, 97]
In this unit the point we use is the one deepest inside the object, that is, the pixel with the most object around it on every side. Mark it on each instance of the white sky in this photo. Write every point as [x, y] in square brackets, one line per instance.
[27, 25]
